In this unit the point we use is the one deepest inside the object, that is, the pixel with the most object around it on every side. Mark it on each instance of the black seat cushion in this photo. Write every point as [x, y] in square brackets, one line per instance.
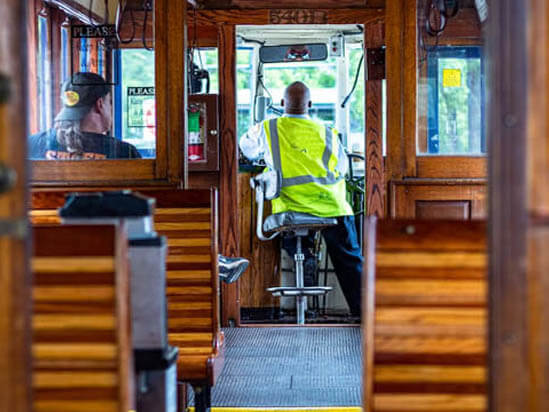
[295, 220]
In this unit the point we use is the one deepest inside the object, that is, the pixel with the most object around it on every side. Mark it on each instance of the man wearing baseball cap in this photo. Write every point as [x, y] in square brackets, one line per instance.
[80, 127]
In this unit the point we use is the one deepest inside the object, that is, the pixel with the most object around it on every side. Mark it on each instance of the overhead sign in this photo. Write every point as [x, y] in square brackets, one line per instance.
[141, 107]
[91, 32]
[298, 16]
[94, 46]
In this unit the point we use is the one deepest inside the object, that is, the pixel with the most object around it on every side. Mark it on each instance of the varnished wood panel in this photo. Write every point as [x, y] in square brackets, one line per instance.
[375, 179]
[394, 62]
[429, 341]
[401, 67]
[15, 280]
[538, 203]
[228, 184]
[437, 209]
[462, 29]
[203, 180]
[188, 219]
[406, 193]
[538, 290]
[264, 257]
[511, 385]
[49, 172]
[410, 77]
[82, 353]
[538, 144]
[452, 167]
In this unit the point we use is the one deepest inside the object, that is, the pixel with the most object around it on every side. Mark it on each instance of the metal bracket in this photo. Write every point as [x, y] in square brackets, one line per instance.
[17, 228]
[376, 63]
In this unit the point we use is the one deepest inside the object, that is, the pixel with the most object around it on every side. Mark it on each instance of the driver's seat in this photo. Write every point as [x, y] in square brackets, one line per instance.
[267, 186]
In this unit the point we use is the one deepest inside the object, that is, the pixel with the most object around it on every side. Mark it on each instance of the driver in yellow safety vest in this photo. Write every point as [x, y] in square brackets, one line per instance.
[313, 164]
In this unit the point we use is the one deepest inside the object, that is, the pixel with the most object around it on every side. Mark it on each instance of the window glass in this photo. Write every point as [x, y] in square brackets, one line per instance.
[319, 76]
[260, 86]
[244, 81]
[453, 88]
[106, 108]
[355, 142]
[135, 100]
[44, 74]
[65, 56]
[205, 60]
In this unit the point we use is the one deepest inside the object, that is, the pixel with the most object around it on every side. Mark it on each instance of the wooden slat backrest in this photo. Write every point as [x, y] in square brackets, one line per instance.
[188, 218]
[82, 355]
[430, 333]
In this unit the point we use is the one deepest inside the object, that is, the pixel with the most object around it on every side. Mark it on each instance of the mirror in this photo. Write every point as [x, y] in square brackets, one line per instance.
[293, 53]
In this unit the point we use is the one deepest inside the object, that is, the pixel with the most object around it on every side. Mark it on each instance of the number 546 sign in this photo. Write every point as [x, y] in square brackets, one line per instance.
[298, 16]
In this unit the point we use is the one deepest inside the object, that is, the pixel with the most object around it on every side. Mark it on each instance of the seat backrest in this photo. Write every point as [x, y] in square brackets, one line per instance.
[426, 328]
[188, 218]
[81, 346]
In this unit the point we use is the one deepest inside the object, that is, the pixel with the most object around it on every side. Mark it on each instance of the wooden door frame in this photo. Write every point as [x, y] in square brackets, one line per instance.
[519, 196]
[226, 22]
[15, 282]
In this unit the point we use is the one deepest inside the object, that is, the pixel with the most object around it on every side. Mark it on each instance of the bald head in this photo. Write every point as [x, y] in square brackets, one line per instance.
[297, 99]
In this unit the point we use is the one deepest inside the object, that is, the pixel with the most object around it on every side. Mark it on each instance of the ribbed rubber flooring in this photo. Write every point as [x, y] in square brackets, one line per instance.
[290, 367]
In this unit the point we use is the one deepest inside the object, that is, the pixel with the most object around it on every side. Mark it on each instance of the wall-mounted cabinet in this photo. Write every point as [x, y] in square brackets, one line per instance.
[203, 132]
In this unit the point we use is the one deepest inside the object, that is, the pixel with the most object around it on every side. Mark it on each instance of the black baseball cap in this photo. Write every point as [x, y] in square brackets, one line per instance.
[80, 93]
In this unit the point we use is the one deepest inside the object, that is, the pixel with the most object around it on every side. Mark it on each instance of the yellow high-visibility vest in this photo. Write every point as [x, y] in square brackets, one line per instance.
[305, 153]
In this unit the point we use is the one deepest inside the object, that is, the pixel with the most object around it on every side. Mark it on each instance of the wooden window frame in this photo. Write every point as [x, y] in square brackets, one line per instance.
[402, 95]
[171, 97]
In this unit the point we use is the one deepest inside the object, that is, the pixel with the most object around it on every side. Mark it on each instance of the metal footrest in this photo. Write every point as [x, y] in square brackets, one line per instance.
[294, 291]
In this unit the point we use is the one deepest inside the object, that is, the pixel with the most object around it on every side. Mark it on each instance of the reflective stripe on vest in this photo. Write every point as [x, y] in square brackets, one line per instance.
[300, 180]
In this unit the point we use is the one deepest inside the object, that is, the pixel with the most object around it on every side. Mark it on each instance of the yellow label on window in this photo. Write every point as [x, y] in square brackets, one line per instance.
[451, 78]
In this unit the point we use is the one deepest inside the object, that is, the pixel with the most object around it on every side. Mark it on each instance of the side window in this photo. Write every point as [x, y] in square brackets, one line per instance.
[65, 53]
[456, 102]
[44, 74]
[135, 108]
[79, 90]
[244, 80]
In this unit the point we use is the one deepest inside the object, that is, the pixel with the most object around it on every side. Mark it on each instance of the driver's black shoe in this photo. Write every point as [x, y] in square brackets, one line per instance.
[230, 269]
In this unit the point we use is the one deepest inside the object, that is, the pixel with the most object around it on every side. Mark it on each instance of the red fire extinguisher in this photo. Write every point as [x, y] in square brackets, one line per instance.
[196, 139]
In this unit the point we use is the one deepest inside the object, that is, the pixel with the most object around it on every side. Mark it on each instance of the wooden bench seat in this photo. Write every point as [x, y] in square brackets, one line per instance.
[428, 325]
[188, 218]
[81, 344]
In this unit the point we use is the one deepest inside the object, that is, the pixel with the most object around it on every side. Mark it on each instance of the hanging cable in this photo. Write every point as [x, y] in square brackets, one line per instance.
[90, 14]
[451, 8]
[120, 13]
[106, 19]
[147, 6]
[435, 17]
[355, 82]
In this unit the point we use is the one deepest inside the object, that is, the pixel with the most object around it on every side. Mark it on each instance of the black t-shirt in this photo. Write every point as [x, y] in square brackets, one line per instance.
[44, 145]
